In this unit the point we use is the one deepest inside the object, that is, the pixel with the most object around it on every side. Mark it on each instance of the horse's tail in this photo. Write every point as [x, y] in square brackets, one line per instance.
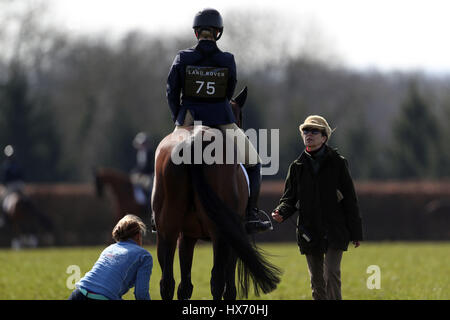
[252, 263]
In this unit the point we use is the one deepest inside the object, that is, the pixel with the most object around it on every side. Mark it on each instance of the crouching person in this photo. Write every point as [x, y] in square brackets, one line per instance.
[121, 266]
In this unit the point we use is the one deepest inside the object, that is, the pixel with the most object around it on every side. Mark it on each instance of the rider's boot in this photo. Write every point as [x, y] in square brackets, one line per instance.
[253, 224]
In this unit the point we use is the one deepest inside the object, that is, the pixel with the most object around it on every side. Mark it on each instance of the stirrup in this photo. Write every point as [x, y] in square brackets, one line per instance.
[252, 227]
[255, 225]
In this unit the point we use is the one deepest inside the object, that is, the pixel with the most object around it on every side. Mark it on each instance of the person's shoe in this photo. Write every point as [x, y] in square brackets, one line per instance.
[253, 224]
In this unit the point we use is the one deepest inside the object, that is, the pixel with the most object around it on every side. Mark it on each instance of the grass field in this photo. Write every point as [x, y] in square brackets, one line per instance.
[408, 271]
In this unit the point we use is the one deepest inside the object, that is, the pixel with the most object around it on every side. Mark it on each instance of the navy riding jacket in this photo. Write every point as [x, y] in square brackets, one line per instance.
[145, 161]
[202, 80]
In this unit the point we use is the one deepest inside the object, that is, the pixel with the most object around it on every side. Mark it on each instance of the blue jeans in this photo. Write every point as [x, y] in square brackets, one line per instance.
[83, 294]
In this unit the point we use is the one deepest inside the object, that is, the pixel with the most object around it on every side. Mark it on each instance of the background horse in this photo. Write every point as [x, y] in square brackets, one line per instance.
[192, 202]
[122, 189]
[28, 223]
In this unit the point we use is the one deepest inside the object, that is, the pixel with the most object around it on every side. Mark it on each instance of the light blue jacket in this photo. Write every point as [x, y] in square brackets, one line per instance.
[121, 266]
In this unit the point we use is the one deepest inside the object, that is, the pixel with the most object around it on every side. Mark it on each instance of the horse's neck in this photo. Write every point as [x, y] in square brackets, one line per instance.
[118, 186]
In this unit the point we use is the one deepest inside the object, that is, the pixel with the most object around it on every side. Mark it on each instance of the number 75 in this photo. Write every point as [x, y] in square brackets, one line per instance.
[210, 89]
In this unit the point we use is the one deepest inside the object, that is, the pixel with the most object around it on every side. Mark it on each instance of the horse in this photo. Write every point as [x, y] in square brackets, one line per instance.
[122, 189]
[199, 201]
[27, 221]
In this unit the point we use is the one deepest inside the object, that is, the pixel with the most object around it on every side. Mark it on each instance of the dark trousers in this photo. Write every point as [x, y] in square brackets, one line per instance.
[325, 273]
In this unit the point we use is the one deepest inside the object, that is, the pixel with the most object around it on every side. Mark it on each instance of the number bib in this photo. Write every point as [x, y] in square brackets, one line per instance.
[206, 82]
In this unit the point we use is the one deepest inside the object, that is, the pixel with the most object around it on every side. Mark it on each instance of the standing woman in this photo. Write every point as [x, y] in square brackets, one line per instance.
[320, 187]
[121, 266]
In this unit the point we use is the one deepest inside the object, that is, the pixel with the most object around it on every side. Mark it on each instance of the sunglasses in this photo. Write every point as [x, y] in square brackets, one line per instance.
[311, 130]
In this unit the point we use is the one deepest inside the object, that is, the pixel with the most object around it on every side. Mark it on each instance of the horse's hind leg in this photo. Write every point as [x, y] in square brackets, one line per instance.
[222, 252]
[166, 252]
[230, 285]
[186, 252]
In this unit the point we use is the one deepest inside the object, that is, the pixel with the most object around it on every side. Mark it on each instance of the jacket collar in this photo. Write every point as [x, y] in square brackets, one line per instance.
[304, 156]
[206, 46]
[129, 240]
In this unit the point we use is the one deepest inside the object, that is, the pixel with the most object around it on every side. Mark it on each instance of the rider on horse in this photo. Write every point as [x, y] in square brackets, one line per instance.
[141, 175]
[200, 85]
[11, 177]
[11, 172]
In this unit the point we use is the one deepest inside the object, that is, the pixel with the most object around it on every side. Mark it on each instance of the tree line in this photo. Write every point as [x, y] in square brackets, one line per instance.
[70, 103]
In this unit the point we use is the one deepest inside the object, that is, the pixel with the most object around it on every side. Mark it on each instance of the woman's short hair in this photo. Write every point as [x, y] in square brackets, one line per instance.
[128, 227]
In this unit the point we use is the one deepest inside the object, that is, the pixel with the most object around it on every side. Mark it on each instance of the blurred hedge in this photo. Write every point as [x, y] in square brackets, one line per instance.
[79, 217]
[390, 211]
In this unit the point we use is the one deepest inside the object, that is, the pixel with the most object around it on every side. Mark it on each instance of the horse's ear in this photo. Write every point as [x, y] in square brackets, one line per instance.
[241, 97]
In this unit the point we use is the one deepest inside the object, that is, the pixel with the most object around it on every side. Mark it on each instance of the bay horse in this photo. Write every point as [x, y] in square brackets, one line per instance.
[26, 220]
[199, 201]
[122, 189]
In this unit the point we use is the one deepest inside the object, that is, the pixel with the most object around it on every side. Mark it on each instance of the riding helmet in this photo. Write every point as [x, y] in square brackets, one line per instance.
[140, 139]
[208, 18]
[8, 151]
